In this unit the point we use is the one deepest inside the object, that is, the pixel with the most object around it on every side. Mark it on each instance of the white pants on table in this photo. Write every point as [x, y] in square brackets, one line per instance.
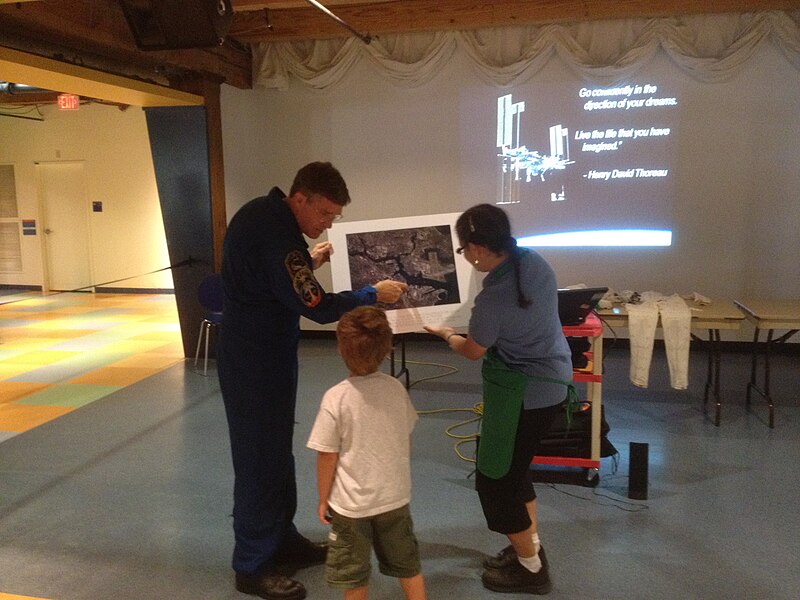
[676, 319]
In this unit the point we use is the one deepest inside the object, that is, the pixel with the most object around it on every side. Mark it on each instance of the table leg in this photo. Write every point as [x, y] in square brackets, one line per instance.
[709, 376]
[403, 367]
[753, 367]
[766, 380]
[717, 346]
[752, 385]
[712, 374]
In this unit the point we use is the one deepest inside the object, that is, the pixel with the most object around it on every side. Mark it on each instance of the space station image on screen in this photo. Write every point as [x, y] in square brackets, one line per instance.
[423, 257]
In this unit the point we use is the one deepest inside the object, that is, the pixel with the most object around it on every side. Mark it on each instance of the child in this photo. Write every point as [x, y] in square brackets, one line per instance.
[362, 436]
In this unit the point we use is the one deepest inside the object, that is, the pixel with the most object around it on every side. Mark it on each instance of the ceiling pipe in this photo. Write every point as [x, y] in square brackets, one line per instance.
[7, 87]
[364, 37]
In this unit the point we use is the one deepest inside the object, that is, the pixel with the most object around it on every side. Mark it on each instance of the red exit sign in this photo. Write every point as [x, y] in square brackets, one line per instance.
[68, 101]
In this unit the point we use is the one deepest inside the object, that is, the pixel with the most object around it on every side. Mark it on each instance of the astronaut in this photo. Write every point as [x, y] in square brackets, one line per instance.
[268, 283]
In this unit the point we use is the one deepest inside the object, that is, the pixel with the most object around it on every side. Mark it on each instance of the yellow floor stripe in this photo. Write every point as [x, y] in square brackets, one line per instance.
[40, 358]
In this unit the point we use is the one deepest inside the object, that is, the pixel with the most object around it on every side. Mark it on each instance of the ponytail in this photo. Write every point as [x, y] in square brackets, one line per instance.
[513, 254]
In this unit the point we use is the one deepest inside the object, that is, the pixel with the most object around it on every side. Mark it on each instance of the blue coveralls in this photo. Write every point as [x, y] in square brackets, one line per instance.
[268, 282]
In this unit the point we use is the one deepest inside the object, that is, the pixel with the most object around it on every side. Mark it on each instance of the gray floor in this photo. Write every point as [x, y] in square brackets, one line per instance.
[129, 497]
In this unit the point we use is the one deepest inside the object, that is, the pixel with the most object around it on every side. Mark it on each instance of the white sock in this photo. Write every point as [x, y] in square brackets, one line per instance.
[536, 543]
[533, 564]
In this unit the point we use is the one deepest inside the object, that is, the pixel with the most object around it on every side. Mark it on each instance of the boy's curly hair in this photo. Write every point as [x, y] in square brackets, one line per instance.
[364, 339]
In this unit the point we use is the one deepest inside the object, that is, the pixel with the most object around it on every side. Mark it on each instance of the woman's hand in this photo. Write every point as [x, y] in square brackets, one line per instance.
[441, 332]
[459, 343]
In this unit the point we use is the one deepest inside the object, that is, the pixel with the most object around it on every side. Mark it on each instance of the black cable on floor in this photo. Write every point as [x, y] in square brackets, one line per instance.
[183, 263]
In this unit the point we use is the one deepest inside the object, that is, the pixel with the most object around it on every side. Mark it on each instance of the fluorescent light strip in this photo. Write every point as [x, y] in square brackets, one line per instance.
[608, 237]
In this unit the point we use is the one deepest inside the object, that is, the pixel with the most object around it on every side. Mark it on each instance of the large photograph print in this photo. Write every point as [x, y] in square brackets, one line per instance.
[423, 257]
[419, 251]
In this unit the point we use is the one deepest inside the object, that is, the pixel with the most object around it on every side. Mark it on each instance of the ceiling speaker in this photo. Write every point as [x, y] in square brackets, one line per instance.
[174, 24]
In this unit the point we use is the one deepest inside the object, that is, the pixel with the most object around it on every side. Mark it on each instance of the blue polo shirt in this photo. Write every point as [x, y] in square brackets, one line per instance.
[528, 339]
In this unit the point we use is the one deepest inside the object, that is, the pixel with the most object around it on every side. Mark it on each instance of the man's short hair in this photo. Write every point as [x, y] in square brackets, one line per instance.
[365, 338]
[324, 179]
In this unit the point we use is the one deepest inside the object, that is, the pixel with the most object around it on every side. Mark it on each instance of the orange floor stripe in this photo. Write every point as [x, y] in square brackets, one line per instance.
[21, 417]
[120, 376]
[14, 390]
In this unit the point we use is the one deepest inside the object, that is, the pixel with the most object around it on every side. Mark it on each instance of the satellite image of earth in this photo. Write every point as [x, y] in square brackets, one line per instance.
[422, 257]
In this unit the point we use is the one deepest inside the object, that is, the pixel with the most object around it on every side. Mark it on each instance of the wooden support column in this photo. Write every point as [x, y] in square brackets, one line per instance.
[210, 90]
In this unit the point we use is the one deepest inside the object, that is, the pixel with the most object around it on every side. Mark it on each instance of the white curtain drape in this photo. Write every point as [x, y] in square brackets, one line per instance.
[710, 48]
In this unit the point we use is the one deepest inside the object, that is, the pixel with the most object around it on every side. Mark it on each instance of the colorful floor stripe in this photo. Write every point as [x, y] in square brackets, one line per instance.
[59, 352]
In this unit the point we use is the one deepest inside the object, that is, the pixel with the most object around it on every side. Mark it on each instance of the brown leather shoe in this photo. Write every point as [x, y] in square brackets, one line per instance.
[270, 586]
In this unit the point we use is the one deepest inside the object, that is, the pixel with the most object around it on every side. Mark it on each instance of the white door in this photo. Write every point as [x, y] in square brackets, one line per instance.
[65, 225]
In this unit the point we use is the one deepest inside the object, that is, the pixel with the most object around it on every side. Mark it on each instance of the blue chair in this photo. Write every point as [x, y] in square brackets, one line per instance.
[210, 296]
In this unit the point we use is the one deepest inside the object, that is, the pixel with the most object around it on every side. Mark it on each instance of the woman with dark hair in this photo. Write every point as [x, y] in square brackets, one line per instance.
[527, 372]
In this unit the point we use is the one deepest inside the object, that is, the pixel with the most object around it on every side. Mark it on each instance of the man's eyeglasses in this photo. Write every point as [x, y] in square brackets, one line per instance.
[330, 217]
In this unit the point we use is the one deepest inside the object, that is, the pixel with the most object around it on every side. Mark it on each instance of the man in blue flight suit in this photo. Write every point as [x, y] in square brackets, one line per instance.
[268, 279]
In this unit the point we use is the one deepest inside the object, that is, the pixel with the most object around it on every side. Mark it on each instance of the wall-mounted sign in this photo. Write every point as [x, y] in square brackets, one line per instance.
[68, 102]
[28, 226]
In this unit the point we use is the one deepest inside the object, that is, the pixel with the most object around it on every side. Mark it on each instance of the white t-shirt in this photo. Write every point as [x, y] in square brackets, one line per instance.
[368, 421]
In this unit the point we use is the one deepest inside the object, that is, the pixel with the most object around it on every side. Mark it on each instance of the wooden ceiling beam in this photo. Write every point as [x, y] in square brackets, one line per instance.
[306, 22]
[89, 31]
[240, 5]
[45, 73]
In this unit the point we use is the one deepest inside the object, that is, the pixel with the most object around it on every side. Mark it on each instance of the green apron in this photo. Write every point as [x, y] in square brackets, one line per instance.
[503, 395]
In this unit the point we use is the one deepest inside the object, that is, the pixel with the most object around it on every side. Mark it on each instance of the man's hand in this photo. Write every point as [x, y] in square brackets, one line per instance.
[389, 290]
[320, 254]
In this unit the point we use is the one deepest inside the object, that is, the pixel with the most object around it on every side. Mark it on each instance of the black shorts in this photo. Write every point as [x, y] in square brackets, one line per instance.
[503, 500]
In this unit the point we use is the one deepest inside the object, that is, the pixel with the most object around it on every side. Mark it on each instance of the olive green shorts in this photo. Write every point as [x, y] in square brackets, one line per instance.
[351, 541]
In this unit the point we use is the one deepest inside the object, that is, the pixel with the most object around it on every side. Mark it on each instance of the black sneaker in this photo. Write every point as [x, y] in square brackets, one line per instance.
[515, 579]
[507, 556]
[270, 586]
